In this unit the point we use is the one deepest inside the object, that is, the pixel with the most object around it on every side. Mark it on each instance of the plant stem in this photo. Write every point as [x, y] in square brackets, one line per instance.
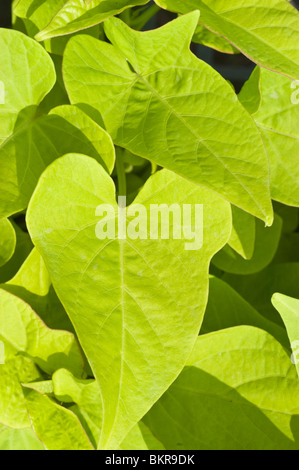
[121, 174]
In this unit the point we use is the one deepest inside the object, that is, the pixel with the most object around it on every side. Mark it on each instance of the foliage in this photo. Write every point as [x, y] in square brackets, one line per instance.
[143, 342]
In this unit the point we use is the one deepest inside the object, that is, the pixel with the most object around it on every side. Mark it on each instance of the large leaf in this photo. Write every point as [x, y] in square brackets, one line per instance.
[269, 37]
[160, 102]
[277, 117]
[238, 391]
[226, 308]
[27, 152]
[289, 310]
[27, 74]
[127, 300]
[24, 330]
[76, 15]
[8, 241]
[56, 427]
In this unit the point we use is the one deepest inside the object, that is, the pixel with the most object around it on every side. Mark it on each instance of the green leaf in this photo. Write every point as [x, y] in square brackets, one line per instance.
[87, 396]
[133, 353]
[56, 427]
[19, 439]
[23, 329]
[160, 102]
[8, 241]
[238, 391]
[23, 248]
[242, 239]
[204, 36]
[277, 118]
[13, 412]
[37, 14]
[76, 15]
[266, 244]
[226, 309]
[289, 311]
[141, 438]
[33, 285]
[250, 94]
[27, 74]
[267, 39]
[33, 147]
[258, 289]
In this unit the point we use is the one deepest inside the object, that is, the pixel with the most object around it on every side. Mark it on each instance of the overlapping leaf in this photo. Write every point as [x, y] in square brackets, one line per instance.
[238, 391]
[127, 301]
[19, 439]
[277, 116]
[226, 309]
[56, 427]
[266, 244]
[26, 75]
[268, 38]
[31, 148]
[7, 241]
[289, 310]
[74, 15]
[32, 284]
[35, 15]
[23, 329]
[160, 102]
[259, 288]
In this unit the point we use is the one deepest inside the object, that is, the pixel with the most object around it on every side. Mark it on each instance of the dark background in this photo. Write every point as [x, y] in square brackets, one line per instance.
[235, 68]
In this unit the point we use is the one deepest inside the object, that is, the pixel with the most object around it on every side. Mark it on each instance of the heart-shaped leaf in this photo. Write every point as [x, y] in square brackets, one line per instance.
[160, 102]
[130, 301]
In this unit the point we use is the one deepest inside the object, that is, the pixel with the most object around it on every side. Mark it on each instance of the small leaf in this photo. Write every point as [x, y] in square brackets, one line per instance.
[24, 330]
[266, 244]
[57, 427]
[258, 288]
[8, 241]
[33, 285]
[242, 239]
[226, 309]
[289, 311]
